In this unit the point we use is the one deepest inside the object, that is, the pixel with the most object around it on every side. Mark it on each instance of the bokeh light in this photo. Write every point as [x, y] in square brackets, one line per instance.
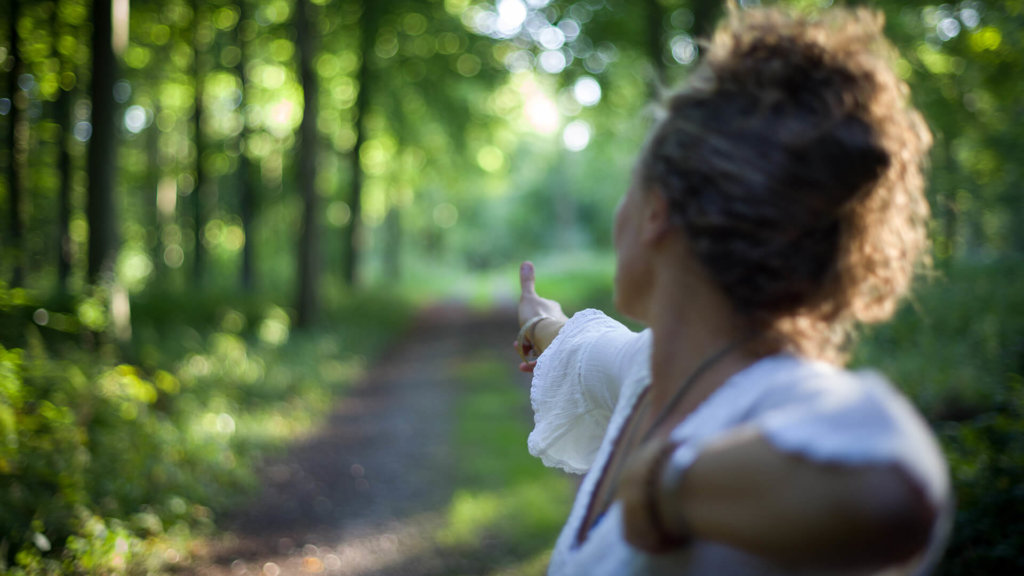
[587, 91]
[541, 112]
[684, 49]
[511, 15]
[552, 61]
[576, 135]
[136, 119]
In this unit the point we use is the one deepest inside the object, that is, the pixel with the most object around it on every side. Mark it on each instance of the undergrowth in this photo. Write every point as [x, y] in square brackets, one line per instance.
[115, 455]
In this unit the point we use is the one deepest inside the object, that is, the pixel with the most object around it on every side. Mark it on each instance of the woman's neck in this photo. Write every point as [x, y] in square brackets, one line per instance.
[693, 322]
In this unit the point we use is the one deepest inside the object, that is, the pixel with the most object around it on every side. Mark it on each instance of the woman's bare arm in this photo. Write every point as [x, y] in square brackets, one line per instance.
[743, 492]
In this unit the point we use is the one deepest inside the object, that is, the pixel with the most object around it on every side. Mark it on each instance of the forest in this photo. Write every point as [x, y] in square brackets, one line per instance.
[217, 214]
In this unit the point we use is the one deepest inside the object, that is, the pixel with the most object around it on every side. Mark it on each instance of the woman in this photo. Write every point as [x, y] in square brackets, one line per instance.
[776, 204]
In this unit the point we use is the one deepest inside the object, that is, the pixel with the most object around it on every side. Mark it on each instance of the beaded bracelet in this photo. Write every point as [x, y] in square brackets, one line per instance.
[527, 333]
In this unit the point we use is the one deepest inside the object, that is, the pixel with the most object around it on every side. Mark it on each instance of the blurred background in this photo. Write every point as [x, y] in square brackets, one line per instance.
[216, 214]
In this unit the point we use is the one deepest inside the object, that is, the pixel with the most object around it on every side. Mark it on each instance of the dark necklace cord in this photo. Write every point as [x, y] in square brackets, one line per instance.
[703, 367]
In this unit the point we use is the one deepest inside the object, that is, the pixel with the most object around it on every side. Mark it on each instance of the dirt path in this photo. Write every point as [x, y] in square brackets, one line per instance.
[365, 495]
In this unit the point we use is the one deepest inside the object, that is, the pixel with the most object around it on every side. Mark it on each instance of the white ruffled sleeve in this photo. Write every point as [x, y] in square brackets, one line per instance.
[576, 385]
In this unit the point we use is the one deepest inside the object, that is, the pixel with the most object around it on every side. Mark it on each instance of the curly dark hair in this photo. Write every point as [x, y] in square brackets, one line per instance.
[793, 160]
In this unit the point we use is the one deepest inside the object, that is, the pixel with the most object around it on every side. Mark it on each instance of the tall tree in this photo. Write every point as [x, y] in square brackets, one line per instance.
[64, 123]
[246, 187]
[368, 33]
[100, 208]
[309, 240]
[393, 244]
[198, 214]
[15, 142]
[151, 207]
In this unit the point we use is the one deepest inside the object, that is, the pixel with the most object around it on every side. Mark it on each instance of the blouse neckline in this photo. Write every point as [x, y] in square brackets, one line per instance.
[632, 397]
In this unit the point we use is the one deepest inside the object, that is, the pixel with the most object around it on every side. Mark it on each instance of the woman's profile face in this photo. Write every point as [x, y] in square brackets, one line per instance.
[632, 263]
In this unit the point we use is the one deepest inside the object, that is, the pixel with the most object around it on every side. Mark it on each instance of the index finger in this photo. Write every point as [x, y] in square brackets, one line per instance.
[526, 278]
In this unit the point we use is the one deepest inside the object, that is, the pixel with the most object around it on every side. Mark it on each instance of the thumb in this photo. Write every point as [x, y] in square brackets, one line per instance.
[526, 278]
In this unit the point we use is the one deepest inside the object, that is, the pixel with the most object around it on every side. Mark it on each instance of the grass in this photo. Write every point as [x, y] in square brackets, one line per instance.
[509, 508]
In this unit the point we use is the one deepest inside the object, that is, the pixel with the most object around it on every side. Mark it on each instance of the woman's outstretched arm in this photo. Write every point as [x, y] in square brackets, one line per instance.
[744, 492]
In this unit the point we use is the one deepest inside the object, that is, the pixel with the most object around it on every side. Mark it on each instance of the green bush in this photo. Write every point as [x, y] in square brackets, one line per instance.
[958, 352]
[52, 416]
[112, 467]
[986, 457]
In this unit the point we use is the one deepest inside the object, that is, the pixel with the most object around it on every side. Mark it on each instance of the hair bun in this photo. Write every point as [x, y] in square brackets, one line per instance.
[838, 164]
[792, 159]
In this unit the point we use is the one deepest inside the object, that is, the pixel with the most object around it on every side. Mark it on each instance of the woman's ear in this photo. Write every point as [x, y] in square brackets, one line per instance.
[657, 217]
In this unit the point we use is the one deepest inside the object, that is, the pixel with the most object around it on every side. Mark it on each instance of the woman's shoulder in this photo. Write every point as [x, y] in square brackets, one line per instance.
[831, 414]
[822, 400]
[789, 380]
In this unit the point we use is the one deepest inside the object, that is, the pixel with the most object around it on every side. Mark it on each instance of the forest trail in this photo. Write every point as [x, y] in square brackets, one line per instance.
[366, 495]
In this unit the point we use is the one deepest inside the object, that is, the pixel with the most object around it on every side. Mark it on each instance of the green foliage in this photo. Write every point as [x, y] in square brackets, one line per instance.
[466, 171]
[958, 351]
[984, 455]
[108, 467]
[953, 344]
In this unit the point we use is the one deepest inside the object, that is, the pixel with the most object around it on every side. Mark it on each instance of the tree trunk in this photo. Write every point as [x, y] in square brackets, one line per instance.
[151, 206]
[166, 201]
[100, 208]
[950, 209]
[64, 124]
[197, 119]
[14, 122]
[352, 243]
[64, 195]
[246, 190]
[393, 245]
[247, 209]
[309, 265]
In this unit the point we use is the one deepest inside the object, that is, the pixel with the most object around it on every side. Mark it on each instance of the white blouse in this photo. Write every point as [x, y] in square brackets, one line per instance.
[586, 384]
